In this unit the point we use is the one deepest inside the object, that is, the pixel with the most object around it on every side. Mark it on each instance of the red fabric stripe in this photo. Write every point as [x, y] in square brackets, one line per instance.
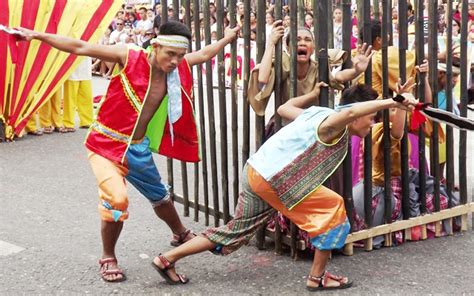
[95, 21]
[42, 54]
[4, 17]
[28, 19]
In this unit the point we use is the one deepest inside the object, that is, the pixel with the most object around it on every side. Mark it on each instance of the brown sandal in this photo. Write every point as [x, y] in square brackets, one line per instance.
[321, 281]
[35, 133]
[180, 238]
[67, 130]
[105, 271]
[48, 130]
[163, 272]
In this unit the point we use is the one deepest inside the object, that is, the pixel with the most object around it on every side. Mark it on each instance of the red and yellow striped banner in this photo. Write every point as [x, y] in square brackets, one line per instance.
[30, 72]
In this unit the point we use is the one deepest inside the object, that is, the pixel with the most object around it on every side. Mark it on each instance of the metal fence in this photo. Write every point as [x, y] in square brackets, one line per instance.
[230, 131]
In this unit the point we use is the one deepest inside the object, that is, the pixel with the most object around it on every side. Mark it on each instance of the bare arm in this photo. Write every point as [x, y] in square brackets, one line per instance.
[361, 61]
[295, 106]
[208, 52]
[336, 123]
[266, 62]
[115, 53]
[424, 68]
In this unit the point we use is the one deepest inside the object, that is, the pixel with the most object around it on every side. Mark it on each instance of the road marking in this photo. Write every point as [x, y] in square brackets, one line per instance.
[8, 249]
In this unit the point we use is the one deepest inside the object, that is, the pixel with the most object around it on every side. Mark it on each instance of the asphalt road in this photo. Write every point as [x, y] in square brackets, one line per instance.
[50, 242]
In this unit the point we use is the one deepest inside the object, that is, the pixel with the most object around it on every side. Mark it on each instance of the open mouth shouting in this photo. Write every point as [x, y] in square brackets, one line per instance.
[302, 52]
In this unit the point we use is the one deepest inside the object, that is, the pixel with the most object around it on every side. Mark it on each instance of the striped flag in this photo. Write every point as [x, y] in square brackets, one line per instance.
[31, 72]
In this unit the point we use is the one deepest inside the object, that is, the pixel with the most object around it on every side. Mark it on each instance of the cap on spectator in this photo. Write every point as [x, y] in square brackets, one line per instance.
[442, 68]
[170, 7]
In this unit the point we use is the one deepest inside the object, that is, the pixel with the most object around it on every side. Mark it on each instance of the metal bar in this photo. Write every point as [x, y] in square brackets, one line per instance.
[222, 113]
[277, 95]
[347, 164]
[403, 46]
[367, 140]
[246, 76]
[420, 54]
[202, 124]
[389, 17]
[293, 86]
[176, 10]
[210, 114]
[330, 26]
[316, 15]
[301, 13]
[164, 11]
[260, 120]
[433, 61]
[234, 107]
[376, 10]
[449, 107]
[322, 50]
[184, 170]
[387, 163]
[464, 100]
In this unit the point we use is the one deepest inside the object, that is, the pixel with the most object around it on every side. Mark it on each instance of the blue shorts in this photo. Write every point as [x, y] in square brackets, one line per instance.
[143, 174]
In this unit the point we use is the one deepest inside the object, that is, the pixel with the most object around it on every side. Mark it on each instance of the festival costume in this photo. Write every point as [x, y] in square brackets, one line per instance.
[378, 201]
[110, 136]
[50, 112]
[78, 95]
[291, 183]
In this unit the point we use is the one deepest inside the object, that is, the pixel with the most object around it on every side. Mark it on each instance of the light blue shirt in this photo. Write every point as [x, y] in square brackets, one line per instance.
[289, 142]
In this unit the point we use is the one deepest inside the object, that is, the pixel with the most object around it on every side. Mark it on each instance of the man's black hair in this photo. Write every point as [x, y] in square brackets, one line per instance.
[358, 93]
[175, 28]
[375, 31]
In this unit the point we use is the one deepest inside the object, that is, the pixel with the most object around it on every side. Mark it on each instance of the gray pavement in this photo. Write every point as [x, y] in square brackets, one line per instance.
[50, 242]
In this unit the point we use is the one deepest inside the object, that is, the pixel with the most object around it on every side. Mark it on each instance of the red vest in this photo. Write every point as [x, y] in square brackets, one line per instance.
[112, 132]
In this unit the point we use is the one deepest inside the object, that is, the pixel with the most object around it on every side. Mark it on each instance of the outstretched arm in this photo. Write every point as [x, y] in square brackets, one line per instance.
[425, 68]
[336, 123]
[208, 52]
[361, 61]
[397, 116]
[266, 62]
[295, 106]
[108, 53]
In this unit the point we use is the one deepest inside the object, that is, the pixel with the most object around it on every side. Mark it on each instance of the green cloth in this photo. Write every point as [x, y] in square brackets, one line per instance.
[156, 126]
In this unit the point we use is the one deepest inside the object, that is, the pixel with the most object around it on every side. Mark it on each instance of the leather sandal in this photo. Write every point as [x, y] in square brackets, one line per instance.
[182, 279]
[105, 270]
[180, 238]
[322, 282]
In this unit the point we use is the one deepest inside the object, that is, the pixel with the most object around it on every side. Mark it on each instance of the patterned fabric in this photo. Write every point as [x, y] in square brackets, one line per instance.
[250, 213]
[307, 172]
[333, 238]
[300, 162]
[322, 215]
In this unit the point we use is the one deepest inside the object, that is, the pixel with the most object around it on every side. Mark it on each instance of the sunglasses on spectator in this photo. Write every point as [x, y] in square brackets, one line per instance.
[119, 24]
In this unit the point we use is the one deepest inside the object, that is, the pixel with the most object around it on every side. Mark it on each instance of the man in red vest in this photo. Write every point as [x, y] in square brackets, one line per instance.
[147, 107]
